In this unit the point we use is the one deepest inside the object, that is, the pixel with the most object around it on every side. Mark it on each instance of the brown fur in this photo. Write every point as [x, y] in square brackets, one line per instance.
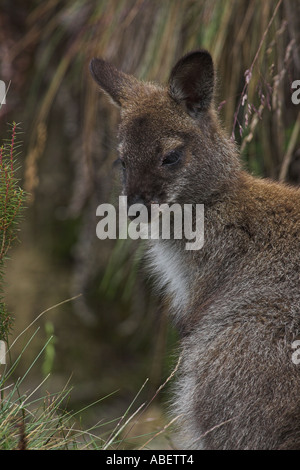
[236, 301]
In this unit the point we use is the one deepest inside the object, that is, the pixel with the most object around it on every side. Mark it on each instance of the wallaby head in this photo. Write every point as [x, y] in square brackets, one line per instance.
[171, 146]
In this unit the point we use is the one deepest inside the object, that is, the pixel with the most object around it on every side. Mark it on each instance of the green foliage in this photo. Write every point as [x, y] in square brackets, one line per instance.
[12, 198]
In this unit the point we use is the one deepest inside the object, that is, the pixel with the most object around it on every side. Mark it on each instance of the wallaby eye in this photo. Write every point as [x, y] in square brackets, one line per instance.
[172, 157]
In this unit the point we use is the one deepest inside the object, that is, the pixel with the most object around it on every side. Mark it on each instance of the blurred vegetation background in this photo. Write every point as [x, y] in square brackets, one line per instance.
[116, 334]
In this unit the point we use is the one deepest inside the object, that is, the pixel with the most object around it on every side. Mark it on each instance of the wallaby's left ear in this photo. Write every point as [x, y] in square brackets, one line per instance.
[192, 81]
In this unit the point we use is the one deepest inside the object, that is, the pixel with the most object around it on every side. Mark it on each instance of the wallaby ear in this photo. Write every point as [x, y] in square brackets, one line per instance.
[192, 81]
[118, 85]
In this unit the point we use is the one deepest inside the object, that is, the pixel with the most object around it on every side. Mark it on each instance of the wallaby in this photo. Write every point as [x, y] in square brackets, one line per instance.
[236, 301]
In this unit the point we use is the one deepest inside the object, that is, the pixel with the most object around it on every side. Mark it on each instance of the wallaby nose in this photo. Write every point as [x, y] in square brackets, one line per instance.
[137, 199]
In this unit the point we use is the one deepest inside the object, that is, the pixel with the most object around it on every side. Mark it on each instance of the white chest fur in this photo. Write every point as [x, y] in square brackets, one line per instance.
[172, 272]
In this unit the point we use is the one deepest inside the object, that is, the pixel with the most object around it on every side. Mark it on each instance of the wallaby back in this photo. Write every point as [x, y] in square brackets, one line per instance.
[236, 301]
